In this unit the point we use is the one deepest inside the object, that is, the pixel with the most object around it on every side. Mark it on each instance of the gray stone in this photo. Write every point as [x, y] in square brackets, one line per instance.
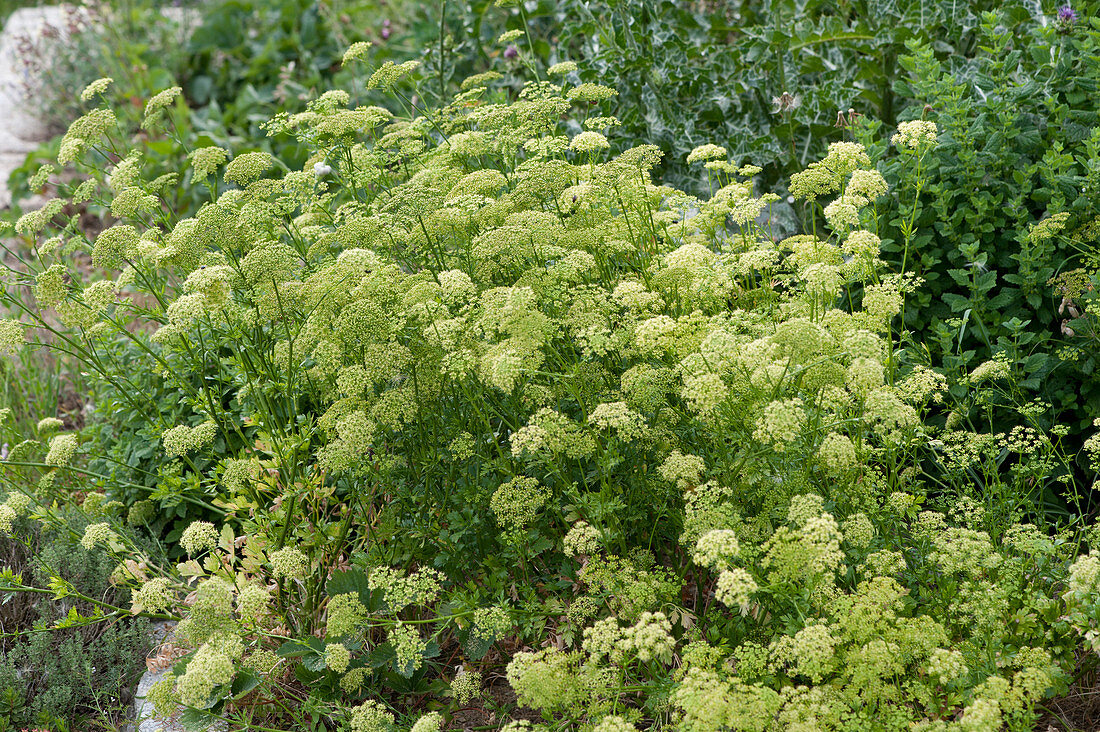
[20, 132]
[145, 716]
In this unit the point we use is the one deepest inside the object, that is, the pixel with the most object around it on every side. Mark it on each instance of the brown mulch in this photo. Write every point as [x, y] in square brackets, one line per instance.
[497, 695]
[1076, 711]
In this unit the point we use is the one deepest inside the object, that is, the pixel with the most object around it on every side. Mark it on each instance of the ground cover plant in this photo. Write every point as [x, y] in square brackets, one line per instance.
[63, 673]
[460, 399]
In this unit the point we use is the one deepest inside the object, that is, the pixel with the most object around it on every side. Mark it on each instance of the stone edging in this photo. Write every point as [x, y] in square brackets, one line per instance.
[20, 133]
[145, 717]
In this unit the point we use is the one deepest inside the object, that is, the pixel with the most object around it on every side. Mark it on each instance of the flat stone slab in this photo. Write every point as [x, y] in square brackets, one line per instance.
[20, 132]
[145, 716]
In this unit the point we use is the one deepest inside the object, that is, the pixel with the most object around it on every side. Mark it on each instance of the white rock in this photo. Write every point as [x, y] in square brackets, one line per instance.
[144, 713]
[20, 131]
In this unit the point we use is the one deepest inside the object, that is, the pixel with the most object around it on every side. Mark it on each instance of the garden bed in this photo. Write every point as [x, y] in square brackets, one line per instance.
[415, 399]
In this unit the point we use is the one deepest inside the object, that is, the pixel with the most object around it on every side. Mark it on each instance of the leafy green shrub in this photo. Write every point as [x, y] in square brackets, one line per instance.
[1009, 208]
[125, 446]
[236, 61]
[462, 377]
[60, 661]
[765, 79]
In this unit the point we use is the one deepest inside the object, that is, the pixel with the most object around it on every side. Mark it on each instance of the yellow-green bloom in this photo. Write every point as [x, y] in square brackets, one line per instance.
[290, 563]
[158, 103]
[562, 68]
[96, 88]
[337, 657]
[915, 134]
[248, 167]
[356, 51]
[198, 537]
[206, 160]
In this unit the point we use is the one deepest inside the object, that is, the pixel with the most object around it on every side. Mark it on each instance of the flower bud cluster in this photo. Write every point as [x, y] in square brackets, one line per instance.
[183, 440]
[198, 537]
[421, 587]
[290, 562]
[515, 503]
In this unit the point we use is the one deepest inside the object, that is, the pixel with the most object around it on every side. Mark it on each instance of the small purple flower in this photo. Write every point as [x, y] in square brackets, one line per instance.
[511, 52]
[1067, 16]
